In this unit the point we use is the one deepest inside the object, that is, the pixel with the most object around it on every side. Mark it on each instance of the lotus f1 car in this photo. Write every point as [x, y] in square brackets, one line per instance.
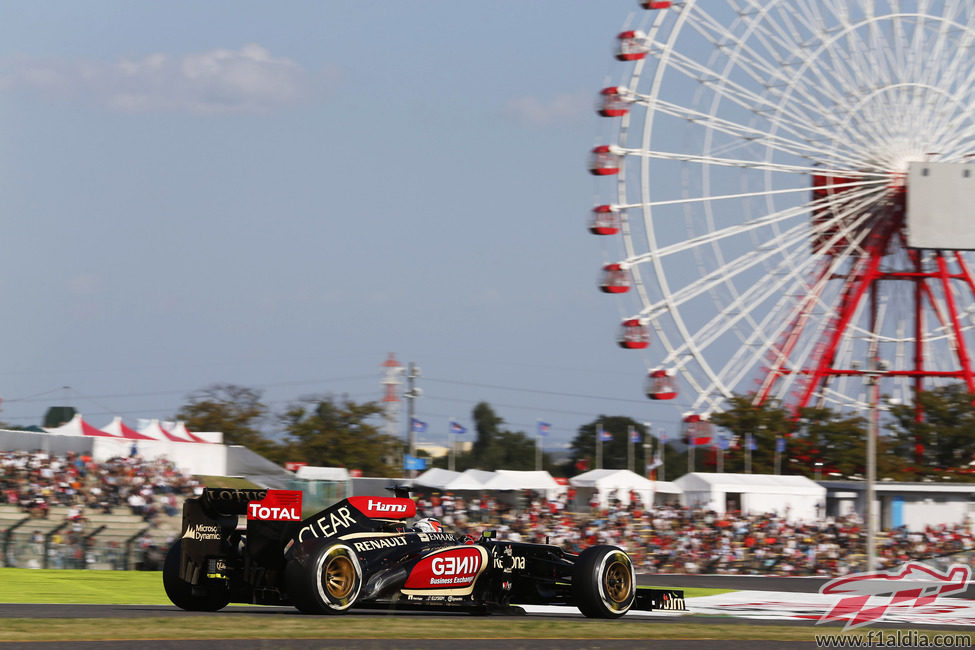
[360, 553]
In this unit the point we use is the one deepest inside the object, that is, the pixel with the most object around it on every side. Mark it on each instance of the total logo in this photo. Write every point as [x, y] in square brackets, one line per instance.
[278, 505]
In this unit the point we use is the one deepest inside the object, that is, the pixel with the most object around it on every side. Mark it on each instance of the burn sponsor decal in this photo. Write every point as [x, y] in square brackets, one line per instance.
[451, 570]
[384, 507]
[278, 505]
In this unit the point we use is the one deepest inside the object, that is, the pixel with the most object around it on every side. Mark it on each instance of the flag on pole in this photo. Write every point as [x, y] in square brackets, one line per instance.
[780, 445]
[543, 428]
[750, 442]
[604, 435]
[723, 443]
[455, 427]
[634, 434]
[418, 425]
[655, 464]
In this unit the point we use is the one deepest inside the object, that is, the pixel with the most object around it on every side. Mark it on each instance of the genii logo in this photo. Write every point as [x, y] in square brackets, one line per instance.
[278, 505]
[865, 598]
[452, 568]
[384, 507]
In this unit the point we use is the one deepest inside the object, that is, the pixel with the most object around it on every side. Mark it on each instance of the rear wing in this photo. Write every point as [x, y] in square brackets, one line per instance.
[210, 529]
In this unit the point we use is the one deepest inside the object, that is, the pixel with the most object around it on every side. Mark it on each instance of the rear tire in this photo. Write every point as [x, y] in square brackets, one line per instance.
[603, 582]
[328, 584]
[208, 596]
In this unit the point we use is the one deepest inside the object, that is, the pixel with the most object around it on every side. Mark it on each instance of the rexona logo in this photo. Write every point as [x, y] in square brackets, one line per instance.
[384, 508]
[450, 569]
[865, 598]
[278, 505]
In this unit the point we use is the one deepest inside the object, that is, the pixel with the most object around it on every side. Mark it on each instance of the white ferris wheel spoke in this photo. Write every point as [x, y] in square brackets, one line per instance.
[765, 143]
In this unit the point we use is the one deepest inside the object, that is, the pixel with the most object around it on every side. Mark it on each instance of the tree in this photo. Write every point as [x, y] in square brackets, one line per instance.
[615, 450]
[764, 423]
[236, 411]
[325, 431]
[942, 438]
[495, 447]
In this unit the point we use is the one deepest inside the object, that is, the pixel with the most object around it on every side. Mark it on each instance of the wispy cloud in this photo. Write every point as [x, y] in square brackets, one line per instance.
[248, 80]
[561, 109]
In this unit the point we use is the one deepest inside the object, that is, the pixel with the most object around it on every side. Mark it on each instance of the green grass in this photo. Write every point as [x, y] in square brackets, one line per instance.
[76, 587]
[145, 588]
[117, 587]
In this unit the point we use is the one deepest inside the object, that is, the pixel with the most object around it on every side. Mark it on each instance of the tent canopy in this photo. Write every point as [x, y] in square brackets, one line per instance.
[77, 426]
[621, 479]
[309, 473]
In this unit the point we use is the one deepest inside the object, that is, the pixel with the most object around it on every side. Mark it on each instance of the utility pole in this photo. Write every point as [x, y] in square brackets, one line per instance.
[412, 392]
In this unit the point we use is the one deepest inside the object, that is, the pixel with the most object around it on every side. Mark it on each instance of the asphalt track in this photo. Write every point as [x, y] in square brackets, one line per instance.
[189, 620]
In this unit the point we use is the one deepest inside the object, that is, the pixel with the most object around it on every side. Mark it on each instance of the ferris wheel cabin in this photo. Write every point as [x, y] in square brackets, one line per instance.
[633, 45]
[615, 279]
[634, 335]
[613, 102]
[661, 384]
[696, 430]
[605, 220]
[605, 161]
[655, 4]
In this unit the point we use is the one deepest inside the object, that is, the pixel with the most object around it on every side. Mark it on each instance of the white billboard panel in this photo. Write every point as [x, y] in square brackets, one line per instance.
[941, 205]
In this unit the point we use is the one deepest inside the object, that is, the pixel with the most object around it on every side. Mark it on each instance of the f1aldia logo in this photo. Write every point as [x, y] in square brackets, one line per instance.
[866, 597]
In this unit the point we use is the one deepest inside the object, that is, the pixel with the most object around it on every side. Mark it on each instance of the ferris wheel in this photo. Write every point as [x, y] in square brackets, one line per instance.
[786, 192]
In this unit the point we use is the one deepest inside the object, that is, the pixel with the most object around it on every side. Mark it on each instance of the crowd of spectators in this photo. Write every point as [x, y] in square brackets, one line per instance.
[661, 539]
[36, 481]
[67, 490]
[675, 539]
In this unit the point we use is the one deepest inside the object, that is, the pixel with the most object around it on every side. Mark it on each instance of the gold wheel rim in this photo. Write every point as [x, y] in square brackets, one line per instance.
[618, 582]
[339, 577]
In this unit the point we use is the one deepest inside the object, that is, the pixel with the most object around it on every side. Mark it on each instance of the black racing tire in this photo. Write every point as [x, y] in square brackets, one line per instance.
[329, 583]
[603, 582]
[209, 596]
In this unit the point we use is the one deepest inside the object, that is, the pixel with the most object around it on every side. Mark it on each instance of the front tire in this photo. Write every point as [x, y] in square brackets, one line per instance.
[209, 596]
[603, 582]
[328, 584]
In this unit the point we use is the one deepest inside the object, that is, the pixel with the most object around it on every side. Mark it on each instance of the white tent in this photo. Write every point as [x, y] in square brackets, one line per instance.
[155, 430]
[471, 479]
[538, 481]
[77, 426]
[436, 478]
[795, 497]
[618, 483]
[311, 473]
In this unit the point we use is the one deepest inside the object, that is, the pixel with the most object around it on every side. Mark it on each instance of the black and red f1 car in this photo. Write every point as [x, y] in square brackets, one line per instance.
[360, 553]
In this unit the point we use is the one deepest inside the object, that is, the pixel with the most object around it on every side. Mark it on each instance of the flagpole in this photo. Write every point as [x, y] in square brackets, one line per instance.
[599, 445]
[452, 441]
[629, 448]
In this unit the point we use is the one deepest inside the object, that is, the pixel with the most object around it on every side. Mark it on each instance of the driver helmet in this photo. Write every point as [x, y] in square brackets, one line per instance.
[428, 525]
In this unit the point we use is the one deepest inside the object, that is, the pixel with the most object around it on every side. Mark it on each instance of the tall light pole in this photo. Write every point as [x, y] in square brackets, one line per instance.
[412, 392]
[873, 373]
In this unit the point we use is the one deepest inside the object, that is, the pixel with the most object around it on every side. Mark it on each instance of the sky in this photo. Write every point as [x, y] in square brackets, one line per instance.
[279, 195]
